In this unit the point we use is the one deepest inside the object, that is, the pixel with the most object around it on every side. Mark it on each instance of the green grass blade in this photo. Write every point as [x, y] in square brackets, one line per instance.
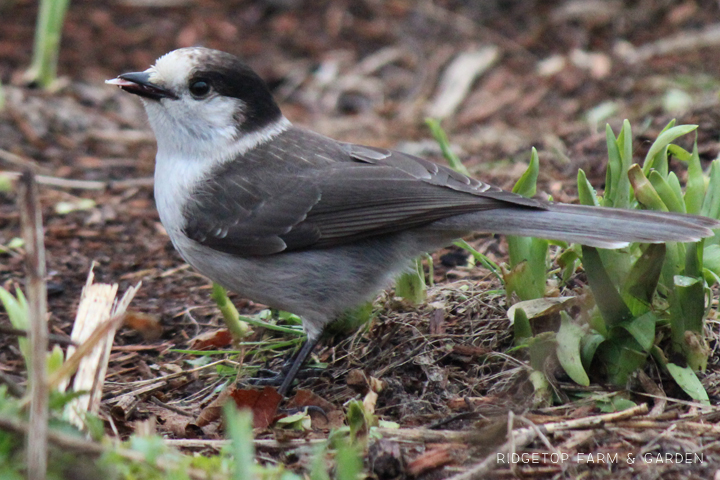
[48, 30]
[479, 257]
[238, 425]
[441, 138]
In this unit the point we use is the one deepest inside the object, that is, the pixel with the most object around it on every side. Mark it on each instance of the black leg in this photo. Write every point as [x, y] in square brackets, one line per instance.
[297, 362]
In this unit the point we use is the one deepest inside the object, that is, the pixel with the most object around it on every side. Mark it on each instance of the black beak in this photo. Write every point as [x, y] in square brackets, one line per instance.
[139, 83]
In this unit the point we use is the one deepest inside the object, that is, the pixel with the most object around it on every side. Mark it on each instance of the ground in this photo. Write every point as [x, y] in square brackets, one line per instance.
[367, 72]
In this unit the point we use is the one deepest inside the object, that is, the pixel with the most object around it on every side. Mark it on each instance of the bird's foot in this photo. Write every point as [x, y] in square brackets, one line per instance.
[271, 378]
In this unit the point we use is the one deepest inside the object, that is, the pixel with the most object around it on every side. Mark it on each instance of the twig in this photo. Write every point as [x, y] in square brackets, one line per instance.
[172, 408]
[31, 217]
[259, 443]
[523, 436]
[17, 332]
[87, 184]
[13, 388]
[63, 440]
[13, 159]
[681, 42]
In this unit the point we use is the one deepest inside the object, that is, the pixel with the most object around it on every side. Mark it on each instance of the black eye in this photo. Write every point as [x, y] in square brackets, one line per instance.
[199, 88]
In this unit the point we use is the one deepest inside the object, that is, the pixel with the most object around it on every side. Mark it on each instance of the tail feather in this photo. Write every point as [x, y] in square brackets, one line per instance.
[592, 226]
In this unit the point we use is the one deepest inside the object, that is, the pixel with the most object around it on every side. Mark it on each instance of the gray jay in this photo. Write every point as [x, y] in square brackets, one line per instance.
[301, 222]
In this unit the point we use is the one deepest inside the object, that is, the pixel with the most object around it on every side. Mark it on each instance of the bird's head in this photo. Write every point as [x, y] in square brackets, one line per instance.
[198, 97]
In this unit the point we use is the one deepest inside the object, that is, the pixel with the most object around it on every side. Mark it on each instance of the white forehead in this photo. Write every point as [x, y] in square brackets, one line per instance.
[174, 68]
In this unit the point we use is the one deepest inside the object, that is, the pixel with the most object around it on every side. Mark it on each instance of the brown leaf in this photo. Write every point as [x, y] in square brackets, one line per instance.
[263, 404]
[306, 398]
[213, 411]
[210, 340]
[434, 458]
[146, 325]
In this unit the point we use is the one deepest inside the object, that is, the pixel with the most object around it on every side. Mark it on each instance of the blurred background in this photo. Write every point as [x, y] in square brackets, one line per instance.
[504, 75]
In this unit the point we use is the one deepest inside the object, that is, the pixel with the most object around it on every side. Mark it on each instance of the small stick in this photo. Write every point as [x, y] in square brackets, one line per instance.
[74, 184]
[523, 436]
[32, 229]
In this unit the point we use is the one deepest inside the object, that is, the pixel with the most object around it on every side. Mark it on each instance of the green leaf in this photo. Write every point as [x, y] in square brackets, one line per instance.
[299, 421]
[688, 381]
[643, 277]
[527, 184]
[568, 261]
[349, 463]
[642, 330]
[695, 191]
[351, 320]
[543, 393]
[588, 347]
[711, 258]
[357, 420]
[319, 470]
[711, 204]
[680, 153]
[666, 193]
[622, 355]
[19, 315]
[674, 184]
[691, 297]
[614, 168]
[644, 191]
[521, 327]
[527, 278]
[663, 140]
[528, 256]
[622, 188]
[411, 285]
[609, 302]
[586, 193]
[568, 350]
[615, 404]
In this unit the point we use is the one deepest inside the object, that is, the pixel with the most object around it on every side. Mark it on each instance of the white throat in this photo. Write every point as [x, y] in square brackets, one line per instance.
[179, 167]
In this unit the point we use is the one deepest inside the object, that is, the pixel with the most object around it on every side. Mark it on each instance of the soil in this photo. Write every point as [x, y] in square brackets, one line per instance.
[366, 72]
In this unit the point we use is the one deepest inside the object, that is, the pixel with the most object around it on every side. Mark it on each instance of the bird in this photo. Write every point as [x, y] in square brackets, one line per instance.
[300, 222]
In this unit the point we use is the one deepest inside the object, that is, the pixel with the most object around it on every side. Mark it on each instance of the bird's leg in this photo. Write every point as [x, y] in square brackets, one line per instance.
[298, 362]
[290, 368]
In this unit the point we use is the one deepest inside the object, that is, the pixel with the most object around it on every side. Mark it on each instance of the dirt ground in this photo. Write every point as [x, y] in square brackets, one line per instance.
[365, 71]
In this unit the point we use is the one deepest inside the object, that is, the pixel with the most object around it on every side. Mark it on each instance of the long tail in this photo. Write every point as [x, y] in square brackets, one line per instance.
[592, 226]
